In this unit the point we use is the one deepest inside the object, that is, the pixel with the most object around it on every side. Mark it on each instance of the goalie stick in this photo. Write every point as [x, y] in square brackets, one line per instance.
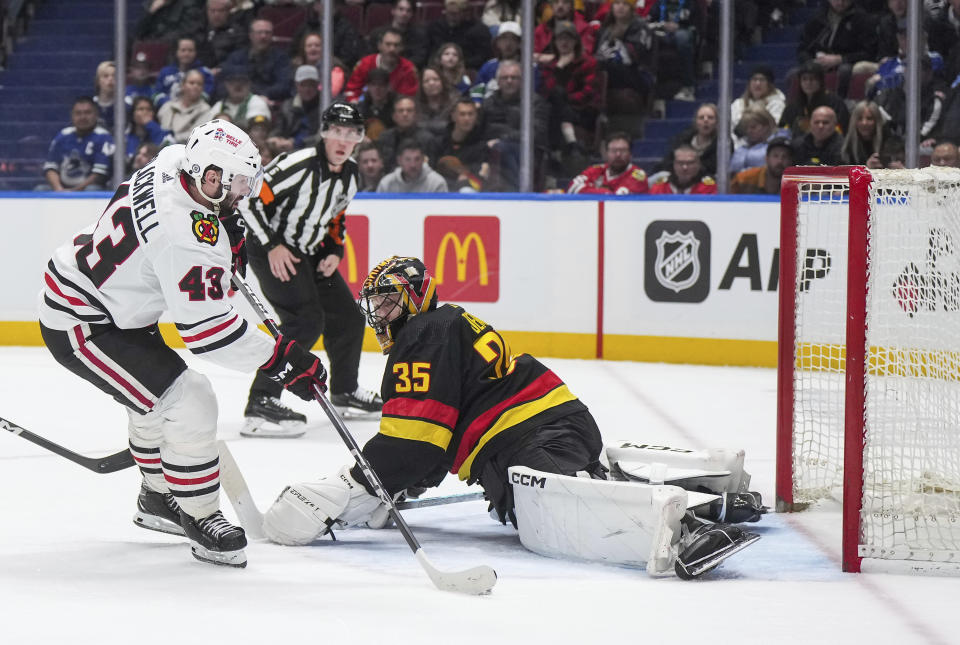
[109, 464]
[235, 486]
[440, 500]
[477, 580]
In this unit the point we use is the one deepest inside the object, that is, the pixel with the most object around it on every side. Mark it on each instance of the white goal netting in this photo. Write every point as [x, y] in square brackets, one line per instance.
[911, 419]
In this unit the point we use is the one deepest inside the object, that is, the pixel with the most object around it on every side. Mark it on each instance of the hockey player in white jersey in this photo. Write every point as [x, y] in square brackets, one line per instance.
[167, 242]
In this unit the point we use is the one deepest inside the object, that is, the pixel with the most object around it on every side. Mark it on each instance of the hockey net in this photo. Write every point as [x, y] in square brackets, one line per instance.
[869, 369]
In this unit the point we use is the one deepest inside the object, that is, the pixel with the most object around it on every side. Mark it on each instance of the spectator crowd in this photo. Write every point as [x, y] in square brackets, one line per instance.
[438, 85]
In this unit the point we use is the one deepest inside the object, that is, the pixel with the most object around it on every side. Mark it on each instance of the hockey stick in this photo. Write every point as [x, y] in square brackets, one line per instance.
[109, 464]
[441, 500]
[235, 486]
[477, 580]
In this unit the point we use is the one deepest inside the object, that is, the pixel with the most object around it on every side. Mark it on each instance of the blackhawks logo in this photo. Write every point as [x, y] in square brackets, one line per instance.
[206, 227]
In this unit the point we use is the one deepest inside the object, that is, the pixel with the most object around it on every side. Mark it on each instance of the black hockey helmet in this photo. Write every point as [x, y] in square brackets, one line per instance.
[342, 114]
[396, 289]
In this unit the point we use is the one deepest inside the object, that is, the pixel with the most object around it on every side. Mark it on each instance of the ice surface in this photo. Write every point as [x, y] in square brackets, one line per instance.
[74, 568]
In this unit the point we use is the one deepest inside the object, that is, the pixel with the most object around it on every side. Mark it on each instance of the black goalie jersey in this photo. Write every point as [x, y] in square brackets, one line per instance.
[454, 395]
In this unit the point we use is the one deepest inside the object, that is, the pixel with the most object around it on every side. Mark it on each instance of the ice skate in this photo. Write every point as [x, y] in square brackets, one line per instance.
[215, 540]
[266, 416]
[157, 512]
[707, 545]
[359, 404]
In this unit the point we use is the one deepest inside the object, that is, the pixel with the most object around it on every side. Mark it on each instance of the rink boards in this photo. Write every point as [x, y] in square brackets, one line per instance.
[689, 280]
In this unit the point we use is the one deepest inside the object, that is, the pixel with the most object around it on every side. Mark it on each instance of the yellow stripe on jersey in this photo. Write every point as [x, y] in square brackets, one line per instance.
[416, 430]
[515, 416]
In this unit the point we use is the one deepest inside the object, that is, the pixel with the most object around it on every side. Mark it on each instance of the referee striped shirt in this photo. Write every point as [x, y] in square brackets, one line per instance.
[302, 202]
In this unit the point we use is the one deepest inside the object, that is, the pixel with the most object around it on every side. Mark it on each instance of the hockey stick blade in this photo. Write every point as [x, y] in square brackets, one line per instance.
[235, 486]
[109, 464]
[475, 581]
[441, 500]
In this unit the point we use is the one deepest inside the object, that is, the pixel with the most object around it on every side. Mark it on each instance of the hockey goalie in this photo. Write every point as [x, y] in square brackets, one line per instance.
[457, 400]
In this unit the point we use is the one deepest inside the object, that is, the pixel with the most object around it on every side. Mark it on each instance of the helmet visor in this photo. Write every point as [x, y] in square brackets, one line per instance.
[243, 186]
[348, 133]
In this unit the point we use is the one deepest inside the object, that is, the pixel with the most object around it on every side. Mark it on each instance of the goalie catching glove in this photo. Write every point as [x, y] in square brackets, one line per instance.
[305, 512]
[296, 368]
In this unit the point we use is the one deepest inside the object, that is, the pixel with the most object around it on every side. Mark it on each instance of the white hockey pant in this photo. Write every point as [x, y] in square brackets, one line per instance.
[175, 444]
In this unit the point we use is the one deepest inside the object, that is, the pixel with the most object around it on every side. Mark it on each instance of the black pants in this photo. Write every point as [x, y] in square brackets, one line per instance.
[310, 305]
[134, 366]
[563, 446]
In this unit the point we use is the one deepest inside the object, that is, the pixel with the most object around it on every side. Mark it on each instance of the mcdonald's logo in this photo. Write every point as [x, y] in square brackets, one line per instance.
[356, 252]
[463, 251]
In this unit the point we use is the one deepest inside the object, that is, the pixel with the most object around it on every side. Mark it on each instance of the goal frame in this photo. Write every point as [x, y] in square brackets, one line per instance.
[859, 181]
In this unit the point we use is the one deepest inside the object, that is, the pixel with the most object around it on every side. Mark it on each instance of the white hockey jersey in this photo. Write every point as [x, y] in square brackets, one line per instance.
[154, 249]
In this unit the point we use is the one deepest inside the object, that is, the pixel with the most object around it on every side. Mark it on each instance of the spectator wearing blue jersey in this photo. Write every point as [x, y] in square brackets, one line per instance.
[143, 127]
[139, 81]
[79, 157]
[170, 79]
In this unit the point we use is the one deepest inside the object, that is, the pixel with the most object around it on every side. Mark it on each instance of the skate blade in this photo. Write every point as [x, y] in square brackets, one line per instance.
[697, 569]
[357, 413]
[154, 523]
[258, 427]
[237, 559]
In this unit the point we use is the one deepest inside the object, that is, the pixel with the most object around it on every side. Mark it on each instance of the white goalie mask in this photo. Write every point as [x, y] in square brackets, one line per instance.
[224, 145]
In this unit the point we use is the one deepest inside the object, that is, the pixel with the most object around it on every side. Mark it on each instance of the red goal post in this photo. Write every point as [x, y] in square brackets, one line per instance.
[868, 392]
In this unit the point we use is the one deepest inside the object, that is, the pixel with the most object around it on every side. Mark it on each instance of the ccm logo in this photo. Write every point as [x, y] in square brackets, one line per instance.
[645, 446]
[528, 480]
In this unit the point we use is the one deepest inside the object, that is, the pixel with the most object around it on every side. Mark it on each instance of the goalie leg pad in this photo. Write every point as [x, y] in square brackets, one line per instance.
[712, 470]
[593, 519]
[305, 512]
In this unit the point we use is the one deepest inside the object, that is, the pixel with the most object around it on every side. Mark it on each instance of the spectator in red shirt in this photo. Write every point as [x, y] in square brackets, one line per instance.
[570, 77]
[616, 177]
[545, 32]
[687, 177]
[403, 75]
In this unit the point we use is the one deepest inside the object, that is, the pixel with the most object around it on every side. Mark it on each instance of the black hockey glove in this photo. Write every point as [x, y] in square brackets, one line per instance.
[296, 368]
[238, 248]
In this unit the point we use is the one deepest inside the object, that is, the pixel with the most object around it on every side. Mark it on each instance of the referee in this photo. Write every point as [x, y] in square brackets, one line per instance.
[297, 226]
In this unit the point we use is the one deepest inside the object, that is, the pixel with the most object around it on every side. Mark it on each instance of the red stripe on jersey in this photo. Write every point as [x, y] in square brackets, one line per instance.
[211, 331]
[192, 480]
[56, 289]
[538, 388]
[423, 409]
[107, 370]
[146, 461]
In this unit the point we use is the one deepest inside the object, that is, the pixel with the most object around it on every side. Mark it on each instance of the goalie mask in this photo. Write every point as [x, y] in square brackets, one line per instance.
[396, 289]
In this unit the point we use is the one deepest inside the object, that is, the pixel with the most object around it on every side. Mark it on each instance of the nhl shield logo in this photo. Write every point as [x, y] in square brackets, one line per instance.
[677, 266]
[676, 261]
